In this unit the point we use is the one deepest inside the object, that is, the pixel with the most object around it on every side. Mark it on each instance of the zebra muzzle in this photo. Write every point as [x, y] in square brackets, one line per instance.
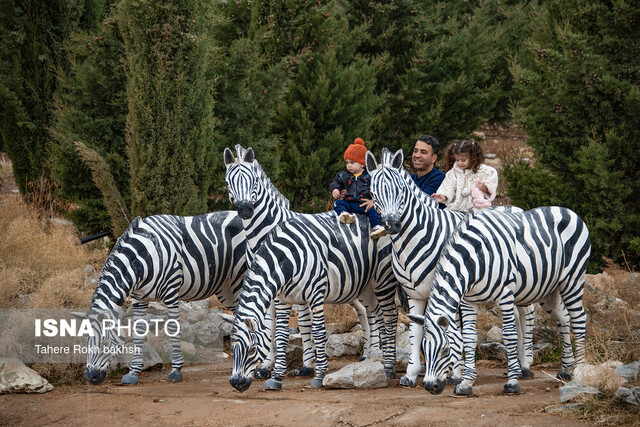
[245, 209]
[434, 387]
[94, 376]
[240, 382]
[391, 223]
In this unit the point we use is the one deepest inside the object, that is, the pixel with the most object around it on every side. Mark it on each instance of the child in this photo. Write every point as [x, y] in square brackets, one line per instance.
[356, 181]
[469, 182]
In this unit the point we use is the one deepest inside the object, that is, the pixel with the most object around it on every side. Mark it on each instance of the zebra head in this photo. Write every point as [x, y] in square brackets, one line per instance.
[388, 188]
[249, 346]
[242, 180]
[437, 347]
[105, 335]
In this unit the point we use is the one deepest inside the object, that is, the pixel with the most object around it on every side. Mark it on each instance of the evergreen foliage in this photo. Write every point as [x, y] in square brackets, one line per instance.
[103, 179]
[580, 105]
[32, 33]
[91, 106]
[170, 121]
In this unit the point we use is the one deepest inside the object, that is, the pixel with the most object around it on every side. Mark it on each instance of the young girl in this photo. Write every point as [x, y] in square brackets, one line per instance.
[469, 183]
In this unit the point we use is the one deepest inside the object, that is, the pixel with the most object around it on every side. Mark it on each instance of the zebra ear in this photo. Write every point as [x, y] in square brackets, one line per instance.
[249, 156]
[371, 162]
[228, 157]
[416, 318]
[397, 159]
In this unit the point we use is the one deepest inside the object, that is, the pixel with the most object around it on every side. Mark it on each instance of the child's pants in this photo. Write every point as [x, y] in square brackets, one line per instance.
[354, 207]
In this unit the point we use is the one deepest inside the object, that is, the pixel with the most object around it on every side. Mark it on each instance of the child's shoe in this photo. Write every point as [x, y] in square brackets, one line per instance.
[347, 218]
[377, 232]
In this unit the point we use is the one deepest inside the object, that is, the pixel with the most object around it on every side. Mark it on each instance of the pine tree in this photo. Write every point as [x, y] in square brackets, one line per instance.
[329, 100]
[32, 33]
[580, 104]
[170, 123]
[91, 106]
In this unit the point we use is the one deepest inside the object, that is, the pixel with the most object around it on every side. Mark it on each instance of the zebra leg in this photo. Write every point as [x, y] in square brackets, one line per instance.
[510, 337]
[139, 311]
[371, 338]
[283, 311]
[524, 322]
[469, 316]
[554, 306]
[377, 322]
[320, 342]
[308, 353]
[390, 316]
[177, 360]
[455, 376]
[417, 333]
[265, 371]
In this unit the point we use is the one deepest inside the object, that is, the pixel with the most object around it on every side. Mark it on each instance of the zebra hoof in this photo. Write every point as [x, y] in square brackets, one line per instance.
[453, 380]
[130, 378]
[510, 388]
[527, 374]
[306, 372]
[463, 390]
[390, 372]
[272, 384]
[316, 383]
[564, 375]
[407, 382]
[175, 375]
[262, 373]
[362, 358]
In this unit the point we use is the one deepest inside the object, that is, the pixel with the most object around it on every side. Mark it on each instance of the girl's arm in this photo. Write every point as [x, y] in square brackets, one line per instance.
[447, 190]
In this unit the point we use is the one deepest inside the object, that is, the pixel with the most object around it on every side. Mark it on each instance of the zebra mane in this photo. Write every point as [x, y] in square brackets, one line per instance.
[262, 175]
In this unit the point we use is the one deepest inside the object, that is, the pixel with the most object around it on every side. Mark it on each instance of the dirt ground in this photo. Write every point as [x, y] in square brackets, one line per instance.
[206, 398]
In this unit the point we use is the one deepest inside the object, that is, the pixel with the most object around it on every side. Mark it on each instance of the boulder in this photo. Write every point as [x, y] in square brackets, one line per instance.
[367, 374]
[343, 345]
[574, 389]
[16, 377]
[150, 357]
[494, 334]
[630, 372]
[631, 396]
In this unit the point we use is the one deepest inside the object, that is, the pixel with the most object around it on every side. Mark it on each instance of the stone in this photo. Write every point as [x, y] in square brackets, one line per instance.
[574, 389]
[630, 372]
[150, 357]
[367, 374]
[16, 377]
[343, 345]
[403, 342]
[631, 396]
[494, 334]
[492, 350]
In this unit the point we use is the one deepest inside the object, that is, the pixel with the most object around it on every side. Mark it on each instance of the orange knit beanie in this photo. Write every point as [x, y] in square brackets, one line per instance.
[356, 152]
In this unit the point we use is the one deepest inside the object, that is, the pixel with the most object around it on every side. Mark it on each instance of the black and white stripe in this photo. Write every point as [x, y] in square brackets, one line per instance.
[169, 259]
[313, 259]
[513, 259]
[418, 232]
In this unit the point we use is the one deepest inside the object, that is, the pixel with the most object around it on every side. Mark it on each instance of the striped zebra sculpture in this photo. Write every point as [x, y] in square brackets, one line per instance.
[312, 259]
[511, 259]
[169, 259]
[418, 231]
[261, 207]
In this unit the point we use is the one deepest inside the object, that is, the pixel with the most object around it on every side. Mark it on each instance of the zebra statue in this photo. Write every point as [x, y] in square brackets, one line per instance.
[312, 259]
[169, 259]
[418, 231]
[261, 207]
[511, 259]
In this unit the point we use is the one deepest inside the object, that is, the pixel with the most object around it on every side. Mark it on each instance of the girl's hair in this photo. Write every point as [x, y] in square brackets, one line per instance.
[464, 146]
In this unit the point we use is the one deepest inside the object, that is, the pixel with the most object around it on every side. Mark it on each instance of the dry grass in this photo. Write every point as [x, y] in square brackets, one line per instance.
[40, 259]
[6, 167]
[342, 314]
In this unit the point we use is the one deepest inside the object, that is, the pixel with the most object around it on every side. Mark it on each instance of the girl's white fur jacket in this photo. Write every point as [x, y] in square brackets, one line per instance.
[458, 183]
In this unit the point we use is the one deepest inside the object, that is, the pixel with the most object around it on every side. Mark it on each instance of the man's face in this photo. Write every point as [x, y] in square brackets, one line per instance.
[423, 157]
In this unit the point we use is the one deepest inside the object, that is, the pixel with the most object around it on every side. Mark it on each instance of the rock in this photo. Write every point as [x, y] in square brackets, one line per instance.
[332, 328]
[630, 372]
[403, 342]
[494, 334]
[343, 345]
[492, 350]
[631, 396]
[367, 374]
[16, 377]
[208, 334]
[401, 329]
[574, 389]
[402, 360]
[294, 357]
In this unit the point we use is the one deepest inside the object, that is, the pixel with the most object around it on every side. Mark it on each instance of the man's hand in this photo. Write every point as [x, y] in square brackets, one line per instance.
[367, 204]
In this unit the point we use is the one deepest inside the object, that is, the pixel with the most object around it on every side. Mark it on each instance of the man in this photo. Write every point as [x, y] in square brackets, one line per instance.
[427, 177]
